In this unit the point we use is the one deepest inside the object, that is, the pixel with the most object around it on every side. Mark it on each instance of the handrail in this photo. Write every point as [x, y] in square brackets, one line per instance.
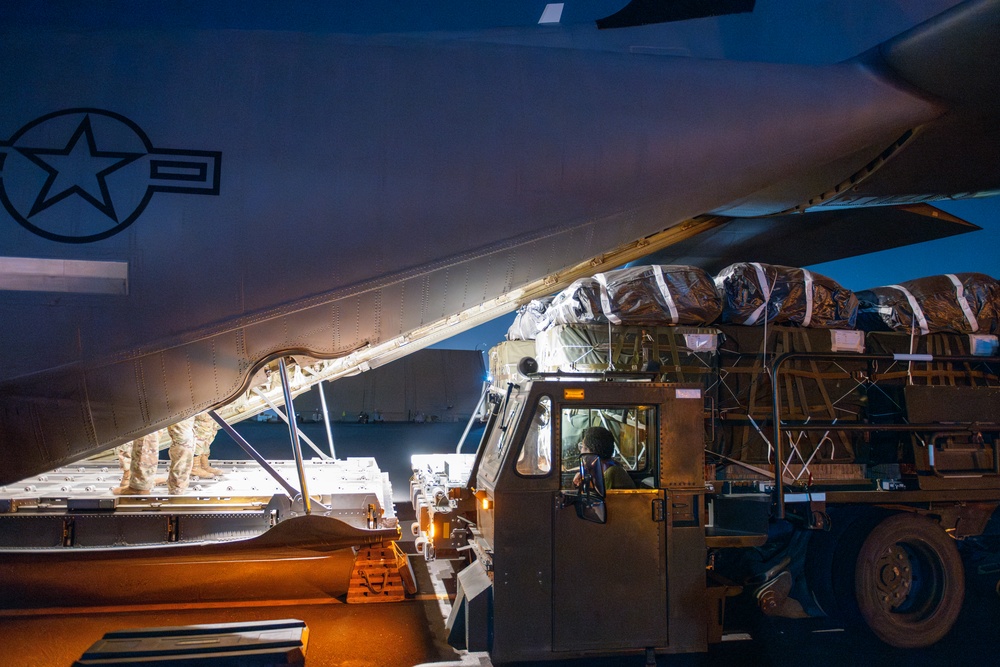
[978, 472]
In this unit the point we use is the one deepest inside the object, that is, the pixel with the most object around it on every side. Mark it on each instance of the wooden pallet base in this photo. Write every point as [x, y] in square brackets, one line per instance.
[381, 574]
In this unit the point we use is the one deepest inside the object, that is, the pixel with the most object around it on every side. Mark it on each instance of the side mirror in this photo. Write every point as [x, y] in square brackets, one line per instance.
[591, 475]
[589, 500]
[591, 508]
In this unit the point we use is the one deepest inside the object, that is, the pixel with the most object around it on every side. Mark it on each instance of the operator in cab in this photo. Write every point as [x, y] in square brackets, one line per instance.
[599, 441]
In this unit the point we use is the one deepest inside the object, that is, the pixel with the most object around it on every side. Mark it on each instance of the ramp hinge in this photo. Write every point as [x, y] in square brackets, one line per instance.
[173, 529]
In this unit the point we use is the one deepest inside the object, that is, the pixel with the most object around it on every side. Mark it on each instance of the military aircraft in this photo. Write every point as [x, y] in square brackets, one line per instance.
[192, 190]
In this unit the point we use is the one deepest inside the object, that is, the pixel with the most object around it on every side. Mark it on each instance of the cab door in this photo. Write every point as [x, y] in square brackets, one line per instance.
[609, 582]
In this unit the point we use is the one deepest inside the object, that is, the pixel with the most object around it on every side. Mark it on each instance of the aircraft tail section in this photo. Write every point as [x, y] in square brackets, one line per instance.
[952, 58]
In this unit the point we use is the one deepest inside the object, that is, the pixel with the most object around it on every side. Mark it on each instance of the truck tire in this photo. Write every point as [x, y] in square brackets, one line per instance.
[908, 581]
[829, 551]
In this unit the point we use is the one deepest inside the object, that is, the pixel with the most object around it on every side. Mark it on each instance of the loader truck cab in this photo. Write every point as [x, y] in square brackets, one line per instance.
[566, 570]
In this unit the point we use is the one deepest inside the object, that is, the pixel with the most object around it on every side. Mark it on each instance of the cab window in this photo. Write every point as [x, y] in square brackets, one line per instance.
[634, 431]
[536, 452]
[500, 436]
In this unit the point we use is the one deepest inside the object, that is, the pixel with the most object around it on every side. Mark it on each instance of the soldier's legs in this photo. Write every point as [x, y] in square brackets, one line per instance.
[124, 454]
[205, 429]
[142, 458]
[145, 455]
[181, 455]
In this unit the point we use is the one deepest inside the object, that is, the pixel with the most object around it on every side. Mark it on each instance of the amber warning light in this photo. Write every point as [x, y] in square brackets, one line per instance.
[573, 394]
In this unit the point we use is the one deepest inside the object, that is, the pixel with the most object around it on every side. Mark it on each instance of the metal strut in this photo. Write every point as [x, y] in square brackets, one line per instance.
[475, 413]
[281, 413]
[326, 418]
[254, 454]
[293, 433]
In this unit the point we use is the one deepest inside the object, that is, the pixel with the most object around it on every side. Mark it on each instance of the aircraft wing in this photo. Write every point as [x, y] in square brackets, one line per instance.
[187, 194]
[812, 238]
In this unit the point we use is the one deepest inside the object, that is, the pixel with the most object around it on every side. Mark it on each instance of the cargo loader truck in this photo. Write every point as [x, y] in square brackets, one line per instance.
[870, 469]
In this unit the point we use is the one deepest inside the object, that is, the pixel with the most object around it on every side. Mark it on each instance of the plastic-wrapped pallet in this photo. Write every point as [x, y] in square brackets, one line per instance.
[659, 296]
[965, 303]
[753, 293]
[681, 354]
[531, 318]
[580, 303]
[641, 295]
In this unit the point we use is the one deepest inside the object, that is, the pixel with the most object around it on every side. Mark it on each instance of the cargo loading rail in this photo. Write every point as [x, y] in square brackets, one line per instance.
[984, 481]
[74, 506]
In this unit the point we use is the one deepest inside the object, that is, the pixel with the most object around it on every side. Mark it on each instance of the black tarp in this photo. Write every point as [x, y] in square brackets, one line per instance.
[962, 303]
[753, 293]
[651, 295]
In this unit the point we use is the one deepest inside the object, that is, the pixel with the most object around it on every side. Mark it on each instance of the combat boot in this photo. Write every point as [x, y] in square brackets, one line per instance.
[198, 470]
[129, 491]
[205, 466]
[177, 490]
[126, 478]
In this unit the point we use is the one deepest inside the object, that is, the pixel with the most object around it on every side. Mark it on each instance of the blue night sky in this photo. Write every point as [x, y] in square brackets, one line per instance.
[972, 252]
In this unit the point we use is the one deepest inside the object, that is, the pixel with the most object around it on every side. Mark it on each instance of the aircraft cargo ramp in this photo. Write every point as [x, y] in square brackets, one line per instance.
[63, 532]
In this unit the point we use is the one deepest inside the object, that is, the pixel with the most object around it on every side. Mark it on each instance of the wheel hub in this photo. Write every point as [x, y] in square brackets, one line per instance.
[895, 577]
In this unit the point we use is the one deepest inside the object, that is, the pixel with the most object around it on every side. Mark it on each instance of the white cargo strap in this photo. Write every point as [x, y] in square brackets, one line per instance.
[766, 289]
[665, 291]
[602, 282]
[918, 313]
[964, 303]
[809, 297]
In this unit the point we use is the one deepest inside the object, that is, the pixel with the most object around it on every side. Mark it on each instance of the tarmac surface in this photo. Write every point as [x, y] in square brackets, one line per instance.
[412, 632]
[46, 632]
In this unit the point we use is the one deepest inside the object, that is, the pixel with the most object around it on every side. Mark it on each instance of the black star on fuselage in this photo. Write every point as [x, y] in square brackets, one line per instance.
[77, 169]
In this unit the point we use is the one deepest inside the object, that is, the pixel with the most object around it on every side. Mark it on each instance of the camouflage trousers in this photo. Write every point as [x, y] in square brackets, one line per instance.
[205, 429]
[139, 457]
[182, 444]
